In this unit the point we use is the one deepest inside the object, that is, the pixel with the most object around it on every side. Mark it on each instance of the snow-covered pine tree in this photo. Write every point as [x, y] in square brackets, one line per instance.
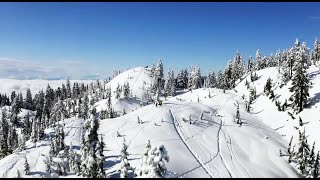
[68, 88]
[237, 69]
[181, 84]
[190, 78]
[13, 140]
[316, 52]
[126, 90]
[211, 81]
[60, 137]
[290, 150]
[300, 82]
[258, 60]
[15, 110]
[110, 109]
[108, 92]
[292, 57]
[194, 81]
[153, 162]
[90, 161]
[20, 101]
[13, 95]
[101, 158]
[264, 61]
[21, 143]
[167, 84]
[125, 165]
[278, 60]
[227, 76]
[248, 107]
[34, 132]
[238, 119]
[118, 91]
[267, 87]
[152, 70]
[159, 73]
[173, 85]
[311, 157]
[253, 94]
[302, 153]
[185, 76]
[250, 64]
[26, 166]
[220, 79]
[284, 69]
[58, 113]
[26, 128]
[272, 62]
[4, 134]
[85, 106]
[314, 171]
[29, 102]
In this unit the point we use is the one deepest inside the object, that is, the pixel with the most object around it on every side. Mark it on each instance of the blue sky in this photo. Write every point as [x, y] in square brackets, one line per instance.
[84, 40]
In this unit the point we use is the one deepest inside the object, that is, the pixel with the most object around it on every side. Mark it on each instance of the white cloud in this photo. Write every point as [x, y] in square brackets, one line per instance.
[59, 69]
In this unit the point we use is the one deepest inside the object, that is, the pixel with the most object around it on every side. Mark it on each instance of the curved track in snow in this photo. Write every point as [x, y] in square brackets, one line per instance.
[176, 125]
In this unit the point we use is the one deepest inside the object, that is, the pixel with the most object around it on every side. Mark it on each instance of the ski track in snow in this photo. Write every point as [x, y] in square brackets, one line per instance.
[232, 152]
[194, 154]
[176, 125]
[219, 147]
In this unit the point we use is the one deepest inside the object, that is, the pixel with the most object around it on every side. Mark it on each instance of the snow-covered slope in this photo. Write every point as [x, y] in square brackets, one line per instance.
[138, 78]
[213, 146]
[266, 110]
[139, 81]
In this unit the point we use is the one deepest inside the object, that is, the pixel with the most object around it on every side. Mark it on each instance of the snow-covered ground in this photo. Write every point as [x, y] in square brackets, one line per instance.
[212, 146]
[266, 110]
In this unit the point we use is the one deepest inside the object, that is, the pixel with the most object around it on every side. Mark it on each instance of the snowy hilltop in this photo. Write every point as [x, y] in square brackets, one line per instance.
[254, 119]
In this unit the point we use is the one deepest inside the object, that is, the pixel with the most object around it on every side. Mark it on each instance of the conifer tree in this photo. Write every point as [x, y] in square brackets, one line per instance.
[258, 60]
[15, 110]
[26, 166]
[267, 87]
[300, 82]
[118, 91]
[314, 171]
[68, 88]
[110, 109]
[90, 161]
[238, 120]
[29, 102]
[125, 165]
[126, 90]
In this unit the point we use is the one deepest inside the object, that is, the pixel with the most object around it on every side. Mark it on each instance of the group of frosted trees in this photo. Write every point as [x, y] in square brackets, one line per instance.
[125, 89]
[50, 108]
[302, 154]
[184, 80]
[292, 64]
[46, 109]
